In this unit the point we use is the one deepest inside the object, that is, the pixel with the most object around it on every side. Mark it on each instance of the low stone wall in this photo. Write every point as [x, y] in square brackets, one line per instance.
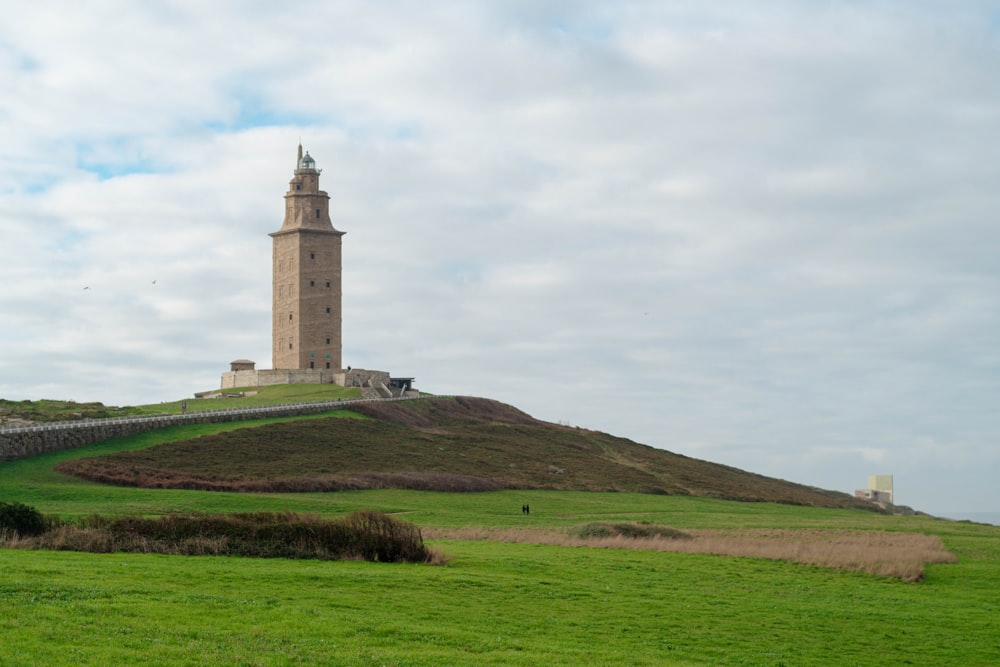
[23, 442]
[264, 378]
[355, 377]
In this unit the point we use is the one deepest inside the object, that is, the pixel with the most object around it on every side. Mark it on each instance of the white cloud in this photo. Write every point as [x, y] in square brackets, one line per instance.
[760, 235]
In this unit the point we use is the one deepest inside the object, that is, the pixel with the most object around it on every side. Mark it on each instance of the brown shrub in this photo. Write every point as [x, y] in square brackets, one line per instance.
[365, 535]
[629, 529]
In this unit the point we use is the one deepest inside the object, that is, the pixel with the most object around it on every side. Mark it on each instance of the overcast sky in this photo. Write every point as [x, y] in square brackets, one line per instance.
[759, 233]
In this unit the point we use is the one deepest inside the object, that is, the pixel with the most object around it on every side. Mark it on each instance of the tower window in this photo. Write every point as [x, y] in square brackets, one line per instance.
[312, 255]
[298, 186]
[289, 345]
[327, 310]
[328, 364]
[327, 283]
[289, 317]
[312, 364]
[312, 283]
[317, 213]
[327, 341]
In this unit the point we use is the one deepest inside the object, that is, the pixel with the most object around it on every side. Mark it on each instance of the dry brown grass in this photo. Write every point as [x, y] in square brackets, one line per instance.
[73, 538]
[899, 555]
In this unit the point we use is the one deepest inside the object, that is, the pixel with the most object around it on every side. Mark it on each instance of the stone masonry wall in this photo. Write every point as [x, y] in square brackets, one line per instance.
[264, 378]
[356, 377]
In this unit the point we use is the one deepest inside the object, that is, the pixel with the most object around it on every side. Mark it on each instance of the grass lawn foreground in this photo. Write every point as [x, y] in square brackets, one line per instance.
[494, 603]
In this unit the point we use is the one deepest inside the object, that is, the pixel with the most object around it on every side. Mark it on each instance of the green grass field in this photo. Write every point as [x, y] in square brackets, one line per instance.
[493, 603]
[274, 395]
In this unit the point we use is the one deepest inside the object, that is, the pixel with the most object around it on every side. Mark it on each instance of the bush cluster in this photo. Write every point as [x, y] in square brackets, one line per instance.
[21, 519]
[365, 535]
[629, 529]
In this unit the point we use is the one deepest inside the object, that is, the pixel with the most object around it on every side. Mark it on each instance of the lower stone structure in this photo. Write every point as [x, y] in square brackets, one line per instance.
[265, 378]
[373, 384]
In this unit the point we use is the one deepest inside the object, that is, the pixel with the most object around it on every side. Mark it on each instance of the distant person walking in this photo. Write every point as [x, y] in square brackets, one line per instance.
[184, 407]
[525, 509]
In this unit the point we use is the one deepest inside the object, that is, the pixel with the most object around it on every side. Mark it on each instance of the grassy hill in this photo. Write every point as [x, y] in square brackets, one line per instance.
[449, 444]
[517, 602]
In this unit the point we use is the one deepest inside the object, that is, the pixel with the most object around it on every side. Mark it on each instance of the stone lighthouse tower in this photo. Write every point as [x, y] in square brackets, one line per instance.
[306, 328]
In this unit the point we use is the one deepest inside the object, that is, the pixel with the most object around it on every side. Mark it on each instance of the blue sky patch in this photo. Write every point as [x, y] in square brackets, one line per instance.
[253, 113]
[116, 157]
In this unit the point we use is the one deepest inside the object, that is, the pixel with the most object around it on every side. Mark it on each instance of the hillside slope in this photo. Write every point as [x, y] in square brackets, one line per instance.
[454, 444]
